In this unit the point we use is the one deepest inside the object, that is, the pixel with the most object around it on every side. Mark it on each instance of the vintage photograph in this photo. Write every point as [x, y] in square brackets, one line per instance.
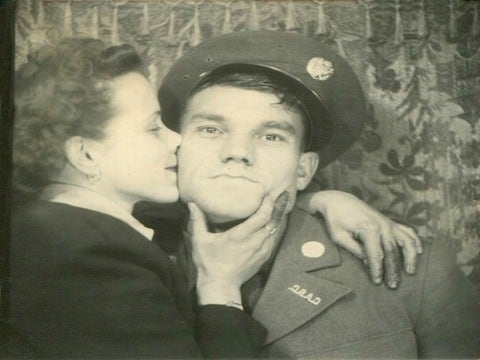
[241, 179]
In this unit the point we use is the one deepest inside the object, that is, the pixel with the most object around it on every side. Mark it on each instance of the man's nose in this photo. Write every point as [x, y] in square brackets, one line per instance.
[237, 148]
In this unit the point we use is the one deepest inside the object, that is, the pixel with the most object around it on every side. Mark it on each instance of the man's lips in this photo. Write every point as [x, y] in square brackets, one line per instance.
[234, 176]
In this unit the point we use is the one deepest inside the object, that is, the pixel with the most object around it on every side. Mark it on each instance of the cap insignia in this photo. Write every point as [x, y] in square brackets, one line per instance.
[320, 68]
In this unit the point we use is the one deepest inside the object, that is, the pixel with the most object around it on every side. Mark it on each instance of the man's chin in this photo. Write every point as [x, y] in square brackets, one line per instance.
[224, 219]
[222, 206]
[228, 211]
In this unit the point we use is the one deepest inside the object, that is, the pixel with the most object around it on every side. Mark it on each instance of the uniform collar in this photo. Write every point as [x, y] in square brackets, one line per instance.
[296, 291]
[88, 199]
[303, 228]
[300, 229]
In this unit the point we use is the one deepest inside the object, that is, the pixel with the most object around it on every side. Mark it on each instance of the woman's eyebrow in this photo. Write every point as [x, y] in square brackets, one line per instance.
[154, 116]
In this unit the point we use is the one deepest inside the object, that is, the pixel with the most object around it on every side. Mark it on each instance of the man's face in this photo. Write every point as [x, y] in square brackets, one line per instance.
[239, 145]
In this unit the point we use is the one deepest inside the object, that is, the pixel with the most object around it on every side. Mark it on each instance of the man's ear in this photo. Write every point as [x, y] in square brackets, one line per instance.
[82, 154]
[307, 166]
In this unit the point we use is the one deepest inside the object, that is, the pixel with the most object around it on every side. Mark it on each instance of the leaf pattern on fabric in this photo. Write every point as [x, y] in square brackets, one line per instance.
[418, 158]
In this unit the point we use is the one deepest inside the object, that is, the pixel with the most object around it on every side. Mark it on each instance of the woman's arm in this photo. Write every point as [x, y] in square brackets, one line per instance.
[89, 286]
[352, 223]
[224, 261]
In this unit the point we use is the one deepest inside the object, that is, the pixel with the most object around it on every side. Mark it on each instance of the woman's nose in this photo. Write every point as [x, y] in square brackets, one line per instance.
[174, 139]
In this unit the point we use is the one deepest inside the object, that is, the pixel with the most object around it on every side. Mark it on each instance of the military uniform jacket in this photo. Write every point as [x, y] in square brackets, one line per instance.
[326, 307]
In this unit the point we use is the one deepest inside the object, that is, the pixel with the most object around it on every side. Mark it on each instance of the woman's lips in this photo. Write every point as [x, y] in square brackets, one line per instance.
[172, 168]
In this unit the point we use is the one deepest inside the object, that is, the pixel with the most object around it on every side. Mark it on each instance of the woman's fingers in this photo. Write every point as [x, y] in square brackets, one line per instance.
[370, 236]
[255, 222]
[278, 212]
[410, 232]
[382, 255]
[346, 240]
[391, 260]
[279, 208]
[266, 219]
[409, 249]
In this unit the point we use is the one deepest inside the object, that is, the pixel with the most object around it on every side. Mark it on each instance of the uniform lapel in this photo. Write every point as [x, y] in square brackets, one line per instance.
[295, 292]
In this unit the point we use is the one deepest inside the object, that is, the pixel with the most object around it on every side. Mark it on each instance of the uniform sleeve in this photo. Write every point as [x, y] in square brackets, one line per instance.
[448, 322]
[227, 332]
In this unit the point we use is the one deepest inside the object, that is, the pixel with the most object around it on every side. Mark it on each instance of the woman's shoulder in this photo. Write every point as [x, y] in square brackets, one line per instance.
[44, 212]
[46, 217]
[63, 230]
[27, 213]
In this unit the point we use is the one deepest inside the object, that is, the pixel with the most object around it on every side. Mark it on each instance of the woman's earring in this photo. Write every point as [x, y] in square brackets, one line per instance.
[95, 177]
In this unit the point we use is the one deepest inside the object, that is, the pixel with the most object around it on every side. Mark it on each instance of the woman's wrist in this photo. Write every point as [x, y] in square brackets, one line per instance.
[313, 202]
[319, 202]
[218, 292]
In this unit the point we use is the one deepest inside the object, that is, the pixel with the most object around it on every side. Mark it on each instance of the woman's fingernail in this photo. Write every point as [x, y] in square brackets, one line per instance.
[362, 256]
[393, 284]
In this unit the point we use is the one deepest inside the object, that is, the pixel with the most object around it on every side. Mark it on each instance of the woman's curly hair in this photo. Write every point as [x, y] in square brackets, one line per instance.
[63, 91]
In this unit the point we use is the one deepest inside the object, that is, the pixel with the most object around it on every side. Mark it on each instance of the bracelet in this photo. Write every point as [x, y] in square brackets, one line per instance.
[235, 305]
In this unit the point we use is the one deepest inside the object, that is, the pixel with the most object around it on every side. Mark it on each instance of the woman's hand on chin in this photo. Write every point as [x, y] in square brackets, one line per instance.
[225, 260]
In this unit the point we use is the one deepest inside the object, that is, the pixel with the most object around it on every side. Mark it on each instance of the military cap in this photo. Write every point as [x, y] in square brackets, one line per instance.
[320, 78]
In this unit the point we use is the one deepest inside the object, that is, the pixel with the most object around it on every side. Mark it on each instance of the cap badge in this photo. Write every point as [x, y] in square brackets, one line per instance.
[320, 68]
[313, 249]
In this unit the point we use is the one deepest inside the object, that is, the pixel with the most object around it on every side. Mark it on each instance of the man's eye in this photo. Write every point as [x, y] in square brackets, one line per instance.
[272, 137]
[209, 130]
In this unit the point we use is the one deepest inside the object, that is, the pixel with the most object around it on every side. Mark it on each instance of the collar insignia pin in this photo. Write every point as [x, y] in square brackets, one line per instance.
[313, 249]
[304, 294]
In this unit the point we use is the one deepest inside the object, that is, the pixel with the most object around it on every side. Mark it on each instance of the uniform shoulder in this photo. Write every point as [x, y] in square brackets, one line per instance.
[437, 260]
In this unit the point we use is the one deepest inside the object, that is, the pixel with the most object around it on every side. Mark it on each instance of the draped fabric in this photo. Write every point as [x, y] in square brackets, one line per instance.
[418, 61]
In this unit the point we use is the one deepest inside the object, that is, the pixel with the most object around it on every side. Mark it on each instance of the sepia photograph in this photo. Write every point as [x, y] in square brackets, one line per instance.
[240, 179]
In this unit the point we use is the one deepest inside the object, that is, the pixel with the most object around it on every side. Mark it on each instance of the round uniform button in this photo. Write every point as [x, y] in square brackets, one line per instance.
[313, 249]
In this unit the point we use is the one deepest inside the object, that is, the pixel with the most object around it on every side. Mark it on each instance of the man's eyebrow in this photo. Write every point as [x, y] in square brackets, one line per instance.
[280, 125]
[207, 116]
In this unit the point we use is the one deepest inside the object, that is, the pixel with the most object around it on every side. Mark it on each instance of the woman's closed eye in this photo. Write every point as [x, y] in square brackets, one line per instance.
[156, 125]
[155, 129]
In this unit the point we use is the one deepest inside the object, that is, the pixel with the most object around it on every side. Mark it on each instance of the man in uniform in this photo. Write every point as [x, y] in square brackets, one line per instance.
[259, 112]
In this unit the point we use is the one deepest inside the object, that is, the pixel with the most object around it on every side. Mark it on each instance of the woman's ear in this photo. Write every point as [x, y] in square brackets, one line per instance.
[82, 154]
[307, 166]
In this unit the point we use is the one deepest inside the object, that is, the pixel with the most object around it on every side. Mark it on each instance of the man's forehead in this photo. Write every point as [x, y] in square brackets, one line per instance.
[222, 102]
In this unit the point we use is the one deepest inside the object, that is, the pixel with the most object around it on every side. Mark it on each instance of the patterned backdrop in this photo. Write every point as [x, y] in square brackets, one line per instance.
[419, 62]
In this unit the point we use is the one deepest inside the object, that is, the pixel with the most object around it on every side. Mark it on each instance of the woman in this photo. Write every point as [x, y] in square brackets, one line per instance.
[85, 279]
[86, 282]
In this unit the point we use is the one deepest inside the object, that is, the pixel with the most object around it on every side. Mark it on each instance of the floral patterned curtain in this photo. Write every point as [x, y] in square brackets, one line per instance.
[418, 60]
